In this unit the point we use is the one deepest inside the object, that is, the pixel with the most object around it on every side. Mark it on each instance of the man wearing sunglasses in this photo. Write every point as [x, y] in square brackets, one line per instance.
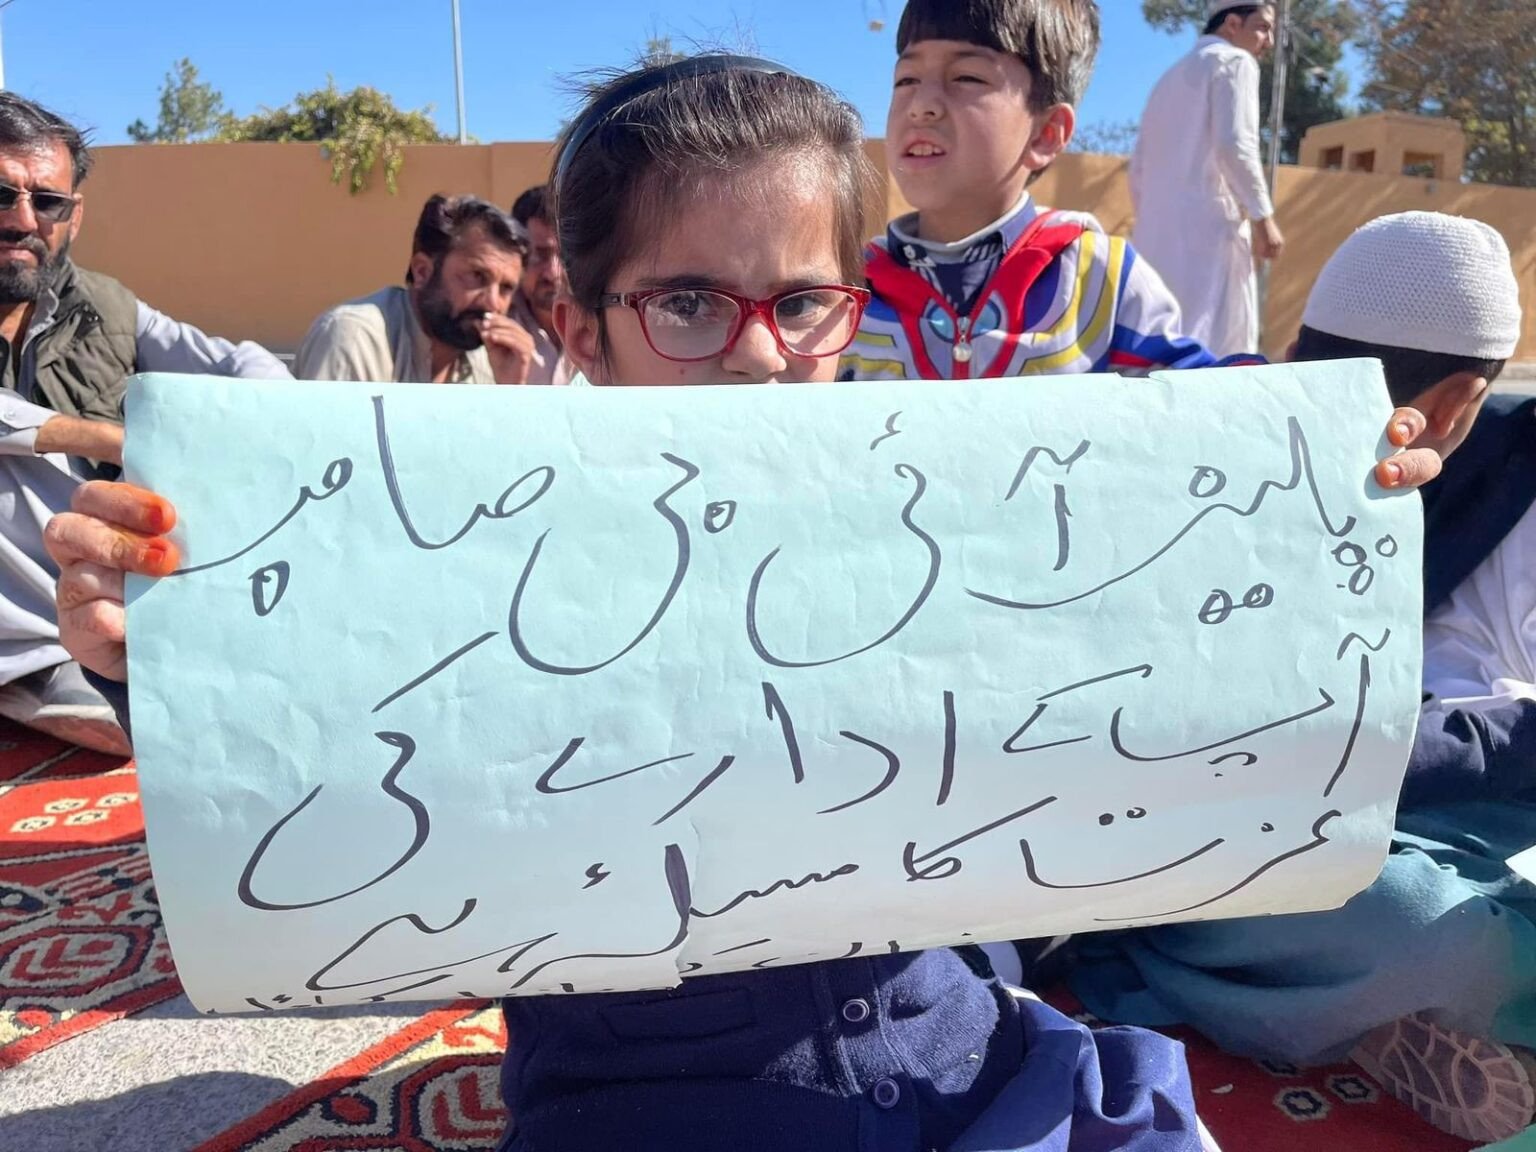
[69, 339]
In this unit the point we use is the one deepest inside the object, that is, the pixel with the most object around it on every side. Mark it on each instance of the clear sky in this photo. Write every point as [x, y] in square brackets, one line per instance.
[101, 62]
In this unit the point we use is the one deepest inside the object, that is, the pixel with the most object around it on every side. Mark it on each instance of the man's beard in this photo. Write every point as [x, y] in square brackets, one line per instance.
[22, 283]
[438, 319]
[543, 297]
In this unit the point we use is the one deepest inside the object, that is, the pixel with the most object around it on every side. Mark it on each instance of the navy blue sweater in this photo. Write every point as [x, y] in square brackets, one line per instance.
[1487, 486]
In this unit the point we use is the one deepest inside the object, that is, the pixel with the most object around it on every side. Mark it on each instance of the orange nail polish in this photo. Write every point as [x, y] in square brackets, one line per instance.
[160, 518]
[159, 557]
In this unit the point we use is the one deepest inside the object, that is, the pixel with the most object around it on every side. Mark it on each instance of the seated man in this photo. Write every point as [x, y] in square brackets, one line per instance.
[543, 281]
[70, 339]
[448, 323]
[1426, 976]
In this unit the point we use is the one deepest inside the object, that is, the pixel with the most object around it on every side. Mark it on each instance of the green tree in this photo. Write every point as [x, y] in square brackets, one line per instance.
[1474, 62]
[1315, 83]
[189, 109]
[360, 130]
[659, 50]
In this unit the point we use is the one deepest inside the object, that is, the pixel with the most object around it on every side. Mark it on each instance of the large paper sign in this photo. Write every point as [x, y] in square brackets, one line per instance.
[470, 691]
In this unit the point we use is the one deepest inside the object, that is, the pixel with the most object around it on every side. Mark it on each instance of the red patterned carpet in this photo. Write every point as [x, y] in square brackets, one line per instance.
[81, 948]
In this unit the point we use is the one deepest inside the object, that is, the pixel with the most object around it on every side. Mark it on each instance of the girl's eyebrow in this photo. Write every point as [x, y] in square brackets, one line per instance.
[706, 281]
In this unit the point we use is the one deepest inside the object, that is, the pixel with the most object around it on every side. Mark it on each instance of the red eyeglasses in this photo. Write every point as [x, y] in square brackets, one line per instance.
[690, 324]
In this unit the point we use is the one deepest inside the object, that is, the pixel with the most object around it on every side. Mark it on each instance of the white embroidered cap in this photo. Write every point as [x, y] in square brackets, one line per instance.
[1421, 280]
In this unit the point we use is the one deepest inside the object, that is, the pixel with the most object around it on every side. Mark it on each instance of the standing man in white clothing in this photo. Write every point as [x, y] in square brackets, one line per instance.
[1203, 209]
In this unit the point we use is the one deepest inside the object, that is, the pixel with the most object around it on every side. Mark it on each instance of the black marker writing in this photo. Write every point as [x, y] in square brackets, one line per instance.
[1219, 606]
[1317, 841]
[776, 710]
[1032, 871]
[1035, 453]
[546, 781]
[1356, 638]
[892, 767]
[680, 570]
[337, 473]
[1063, 529]
[947, 866]
[544, 477]
[1354, 730]
[1301, 472]
[743, 947]
[935, 559]
[779, 886]
[1011, 745]
[440, 666]
[1114, 733]
[1207, 482]
[947, 768]
[719, 516]
[316, 983]
[715, 773]
[390, 787]
[679, 886]
[890, 430]
[265, 597]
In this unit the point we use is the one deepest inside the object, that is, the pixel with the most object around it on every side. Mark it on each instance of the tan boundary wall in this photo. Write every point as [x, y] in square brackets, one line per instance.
[253, 240]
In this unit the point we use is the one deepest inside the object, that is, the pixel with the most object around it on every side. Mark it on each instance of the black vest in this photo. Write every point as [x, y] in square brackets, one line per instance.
[85, 356]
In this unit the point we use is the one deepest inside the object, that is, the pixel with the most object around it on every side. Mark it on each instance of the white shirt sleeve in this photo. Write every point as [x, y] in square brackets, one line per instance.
[19, 422]
[1135, 173]
[166, 345]
[1235, 133]
[1480, 647]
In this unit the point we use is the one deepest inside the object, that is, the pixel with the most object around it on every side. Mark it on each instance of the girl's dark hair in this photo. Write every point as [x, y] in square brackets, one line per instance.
[646, 133]
[1241, 11]
[1409, 371]
[1057, 40]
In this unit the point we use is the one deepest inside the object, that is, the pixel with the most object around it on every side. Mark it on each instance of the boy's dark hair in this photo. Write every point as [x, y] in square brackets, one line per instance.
[1409, 371]
[1056, 39]
[445, 219]
[533, 205]
[1242, 11]
[661, 131]
[28, 125]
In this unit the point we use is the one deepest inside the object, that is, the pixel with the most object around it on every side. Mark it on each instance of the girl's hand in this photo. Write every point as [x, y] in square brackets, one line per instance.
[113, 529]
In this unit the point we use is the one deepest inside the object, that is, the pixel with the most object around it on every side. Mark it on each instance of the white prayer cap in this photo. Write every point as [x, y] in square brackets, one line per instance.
[1421, 280]
[1214, 8]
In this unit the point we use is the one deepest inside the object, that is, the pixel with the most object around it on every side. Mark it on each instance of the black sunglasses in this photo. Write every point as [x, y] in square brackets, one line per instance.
[56, 207]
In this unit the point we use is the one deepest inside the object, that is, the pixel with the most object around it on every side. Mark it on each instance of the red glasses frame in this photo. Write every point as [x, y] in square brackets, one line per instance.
[746, 308]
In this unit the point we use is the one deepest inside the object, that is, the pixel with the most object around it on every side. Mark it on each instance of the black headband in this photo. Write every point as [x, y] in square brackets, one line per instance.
[648, 81]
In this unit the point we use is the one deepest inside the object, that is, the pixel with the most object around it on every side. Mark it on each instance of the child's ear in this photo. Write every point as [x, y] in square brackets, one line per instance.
[580, 336]
[1452, 404]
[1053, 132]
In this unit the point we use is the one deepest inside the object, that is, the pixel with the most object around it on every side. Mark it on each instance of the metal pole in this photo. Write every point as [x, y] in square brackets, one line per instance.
[1277, 89]
[3, 6]
[458, 73]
